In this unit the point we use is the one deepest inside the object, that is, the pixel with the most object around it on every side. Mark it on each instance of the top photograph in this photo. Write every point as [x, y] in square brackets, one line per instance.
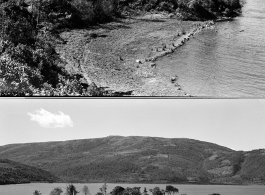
[132, 48]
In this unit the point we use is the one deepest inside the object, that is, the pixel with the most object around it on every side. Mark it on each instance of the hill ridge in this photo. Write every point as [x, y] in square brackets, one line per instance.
[141, 159]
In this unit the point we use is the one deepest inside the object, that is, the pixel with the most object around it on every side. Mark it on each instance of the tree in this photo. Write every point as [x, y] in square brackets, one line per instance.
[171, 189]
[156, 191]
[85, 190]
[56, 191]
[118, 190]
[145, 191]
[136, 191]
[71, 190]
[104, 189]
[132, 191]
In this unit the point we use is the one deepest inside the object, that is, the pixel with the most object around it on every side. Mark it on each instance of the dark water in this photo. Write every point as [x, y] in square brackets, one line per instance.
[226, 61]
[45, 188]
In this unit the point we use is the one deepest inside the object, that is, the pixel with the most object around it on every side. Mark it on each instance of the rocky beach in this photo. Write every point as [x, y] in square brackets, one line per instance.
[121, 55]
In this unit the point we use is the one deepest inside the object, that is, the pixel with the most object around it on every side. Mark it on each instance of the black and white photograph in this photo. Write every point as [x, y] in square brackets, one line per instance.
[132, 147]
[146, 48]
[132, 97]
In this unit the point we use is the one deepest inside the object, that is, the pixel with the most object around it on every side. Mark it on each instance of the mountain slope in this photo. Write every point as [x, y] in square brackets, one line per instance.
[140, 159]
[13, 173]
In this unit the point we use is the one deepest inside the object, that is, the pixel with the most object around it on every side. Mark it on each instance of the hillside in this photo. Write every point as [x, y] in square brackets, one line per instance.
[141, 159]
[14, 173]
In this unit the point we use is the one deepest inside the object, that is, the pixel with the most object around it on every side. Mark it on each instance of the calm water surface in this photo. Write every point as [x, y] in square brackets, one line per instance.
[45, 189]
[226, 61]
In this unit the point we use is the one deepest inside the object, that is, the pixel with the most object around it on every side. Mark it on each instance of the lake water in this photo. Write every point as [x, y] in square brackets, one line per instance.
[226, 61]
[45, 188]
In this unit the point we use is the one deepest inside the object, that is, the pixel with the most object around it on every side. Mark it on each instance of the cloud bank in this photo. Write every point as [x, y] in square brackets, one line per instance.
[49, 120]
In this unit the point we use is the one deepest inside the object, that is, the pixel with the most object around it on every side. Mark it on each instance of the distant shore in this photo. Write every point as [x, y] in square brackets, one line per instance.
[142, 183]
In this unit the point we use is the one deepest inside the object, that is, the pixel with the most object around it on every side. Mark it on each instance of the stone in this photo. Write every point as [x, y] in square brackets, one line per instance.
[138, 61]
[173, 79]
[153, 65]
[164, 46]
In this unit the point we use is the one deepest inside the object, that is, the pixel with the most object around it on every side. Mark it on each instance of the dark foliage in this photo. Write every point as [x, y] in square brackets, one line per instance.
[186, 9]
[171, 189]
[29, 64]
[71, 190]
[14, 173]
[118, 190]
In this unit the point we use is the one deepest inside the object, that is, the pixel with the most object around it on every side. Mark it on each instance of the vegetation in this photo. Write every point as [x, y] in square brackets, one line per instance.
[118, 190]
[85, 190]
[141, 159]
[36, 192]
[71, 190]
[57, 191]
[186, 9]
[14, 173]
[29, 64]
[171, 190]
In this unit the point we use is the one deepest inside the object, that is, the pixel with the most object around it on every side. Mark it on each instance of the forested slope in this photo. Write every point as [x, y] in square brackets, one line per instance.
[14, 173]
[141, 159]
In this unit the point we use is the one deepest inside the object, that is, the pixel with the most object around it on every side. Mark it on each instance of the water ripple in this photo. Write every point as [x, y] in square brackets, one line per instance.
[228, 61]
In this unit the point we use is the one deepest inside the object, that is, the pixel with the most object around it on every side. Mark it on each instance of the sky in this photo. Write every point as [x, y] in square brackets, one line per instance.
[236, 124]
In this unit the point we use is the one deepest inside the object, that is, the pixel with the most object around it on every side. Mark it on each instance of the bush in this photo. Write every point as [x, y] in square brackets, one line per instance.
[118, 190]
[56, 191]
[71, 190]
[29, 64]
[36, 192]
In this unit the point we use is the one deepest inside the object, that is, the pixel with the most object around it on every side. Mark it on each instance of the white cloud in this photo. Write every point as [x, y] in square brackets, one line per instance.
[49, 120]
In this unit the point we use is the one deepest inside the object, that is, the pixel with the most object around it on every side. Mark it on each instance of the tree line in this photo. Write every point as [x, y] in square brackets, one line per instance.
[118, 190]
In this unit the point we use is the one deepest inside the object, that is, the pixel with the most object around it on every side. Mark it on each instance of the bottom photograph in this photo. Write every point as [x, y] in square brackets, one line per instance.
[132, 146]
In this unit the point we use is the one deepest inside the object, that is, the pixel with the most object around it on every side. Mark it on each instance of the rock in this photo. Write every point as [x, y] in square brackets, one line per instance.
[164, 46]
[120, 58]
[84, 83]
[68, 16]
[93, 35]
[153, 65]
[170, 15]
[138, 61]
[173, 79]
[148, 59]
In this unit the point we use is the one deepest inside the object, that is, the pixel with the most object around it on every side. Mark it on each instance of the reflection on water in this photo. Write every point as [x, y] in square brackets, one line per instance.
[227, 61]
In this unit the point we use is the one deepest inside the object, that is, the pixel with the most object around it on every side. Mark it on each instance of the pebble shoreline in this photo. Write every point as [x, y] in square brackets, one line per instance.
[166, 49]
[170, 48]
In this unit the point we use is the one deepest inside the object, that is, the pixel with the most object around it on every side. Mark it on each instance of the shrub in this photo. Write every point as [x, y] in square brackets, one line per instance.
[118, 190]
[36, 192]
[71, 190]
[29, 64]
[56, 191]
